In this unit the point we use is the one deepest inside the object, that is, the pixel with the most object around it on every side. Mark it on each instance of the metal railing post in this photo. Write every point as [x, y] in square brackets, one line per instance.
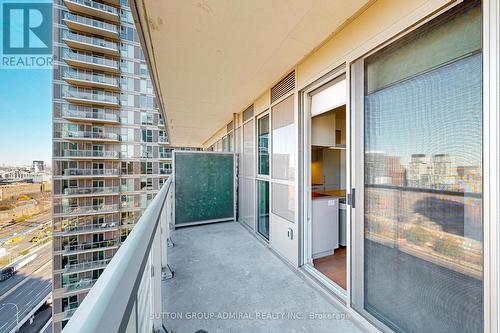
[165, 221]
[156, 290]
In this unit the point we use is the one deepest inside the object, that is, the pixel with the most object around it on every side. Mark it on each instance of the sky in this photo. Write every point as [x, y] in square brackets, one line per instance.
[25, 116]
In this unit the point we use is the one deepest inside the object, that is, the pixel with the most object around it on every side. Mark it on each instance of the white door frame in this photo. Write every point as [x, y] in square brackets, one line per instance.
[306, 241]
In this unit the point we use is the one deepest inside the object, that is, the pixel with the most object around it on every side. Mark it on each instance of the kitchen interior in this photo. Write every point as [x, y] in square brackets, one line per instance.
[328, 184]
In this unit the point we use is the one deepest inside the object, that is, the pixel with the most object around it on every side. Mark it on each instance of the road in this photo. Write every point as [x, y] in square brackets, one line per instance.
[12, 230]
[27, 296]
[44, 256]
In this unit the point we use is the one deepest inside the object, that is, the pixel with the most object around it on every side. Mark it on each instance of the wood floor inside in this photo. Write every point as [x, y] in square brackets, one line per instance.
[334, 266]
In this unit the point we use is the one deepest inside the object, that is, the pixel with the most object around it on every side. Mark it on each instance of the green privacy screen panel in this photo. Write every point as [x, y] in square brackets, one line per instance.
[204, 187]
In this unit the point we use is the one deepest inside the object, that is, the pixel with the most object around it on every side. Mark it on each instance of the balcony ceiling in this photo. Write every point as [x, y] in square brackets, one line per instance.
[212, 58]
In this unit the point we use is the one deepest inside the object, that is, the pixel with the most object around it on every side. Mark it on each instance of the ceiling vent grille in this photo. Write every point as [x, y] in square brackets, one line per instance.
[248, 113]
[283, 87]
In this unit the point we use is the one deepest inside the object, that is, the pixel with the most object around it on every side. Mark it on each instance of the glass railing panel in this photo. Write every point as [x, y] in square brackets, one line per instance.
[91, 40]
[91, 22]
[98, 60]
[96, 5]
[90, 172]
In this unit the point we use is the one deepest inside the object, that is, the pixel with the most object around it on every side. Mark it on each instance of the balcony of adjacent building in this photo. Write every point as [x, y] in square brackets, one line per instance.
[93, 8]
[90, 173]
[86, 114]
[82, 154]
[165, 155]
[163, 140]
[66, 313]
[91, 79]
[85, 266]
[91, 191]
[80, 286]
[90, 25]
[90, 136]
[91, 97]
[85, 210]
[87, 247]
[90, 43]
[87, 228]
[93, 61]
[165, 171]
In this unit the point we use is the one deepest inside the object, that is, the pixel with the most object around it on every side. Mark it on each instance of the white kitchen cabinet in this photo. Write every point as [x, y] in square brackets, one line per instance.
[325, 226]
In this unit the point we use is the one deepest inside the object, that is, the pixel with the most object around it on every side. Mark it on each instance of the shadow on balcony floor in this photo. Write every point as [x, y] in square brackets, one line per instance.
[220, 270]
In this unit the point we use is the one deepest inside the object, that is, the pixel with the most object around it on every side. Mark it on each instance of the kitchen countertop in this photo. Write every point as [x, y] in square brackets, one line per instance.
[340, 193]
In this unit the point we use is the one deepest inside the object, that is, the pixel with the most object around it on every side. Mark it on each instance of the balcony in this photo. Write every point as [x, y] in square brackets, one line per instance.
[91, 79]
[165, 171]
[90, 136]
[68, 313]
[90, 173]
[244, 266]
[82, 285]
[91, 191]
[82, 60]
[85, 266]
[91, 26]
[88, 210]
[92, 44]
[93, 98]
[88, 114]
[165, 155]
[93, 8]
[163, 140]
[91, 246]
[91, 154]
[88, 228]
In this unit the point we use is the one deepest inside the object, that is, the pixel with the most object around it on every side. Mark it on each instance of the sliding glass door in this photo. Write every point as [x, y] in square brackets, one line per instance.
[419, 243]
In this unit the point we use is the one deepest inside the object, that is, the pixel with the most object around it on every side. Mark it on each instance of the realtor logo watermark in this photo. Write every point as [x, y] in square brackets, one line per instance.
[26, 34]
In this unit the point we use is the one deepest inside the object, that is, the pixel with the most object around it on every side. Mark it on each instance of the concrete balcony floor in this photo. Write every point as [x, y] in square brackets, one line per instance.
[221, 268]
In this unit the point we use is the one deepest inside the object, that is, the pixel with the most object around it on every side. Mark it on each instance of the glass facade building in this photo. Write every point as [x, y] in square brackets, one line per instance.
[111, 152]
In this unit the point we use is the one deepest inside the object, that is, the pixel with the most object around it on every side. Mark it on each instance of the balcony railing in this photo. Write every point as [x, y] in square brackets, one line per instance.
[85, 266]
[92, 97]
[89, 209]
[86, 112]
[90, 59]
[80, 285]
[132, 278]
[163, 139]
[91, 22]
[95, 41]
[68, 313]
[165, 171]
[101, 227]
[165, 154]
[90, 246]
[96, 5]
[91, 172]
[91, 135]
[91, 153]
[91, 190]
[90, 77]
